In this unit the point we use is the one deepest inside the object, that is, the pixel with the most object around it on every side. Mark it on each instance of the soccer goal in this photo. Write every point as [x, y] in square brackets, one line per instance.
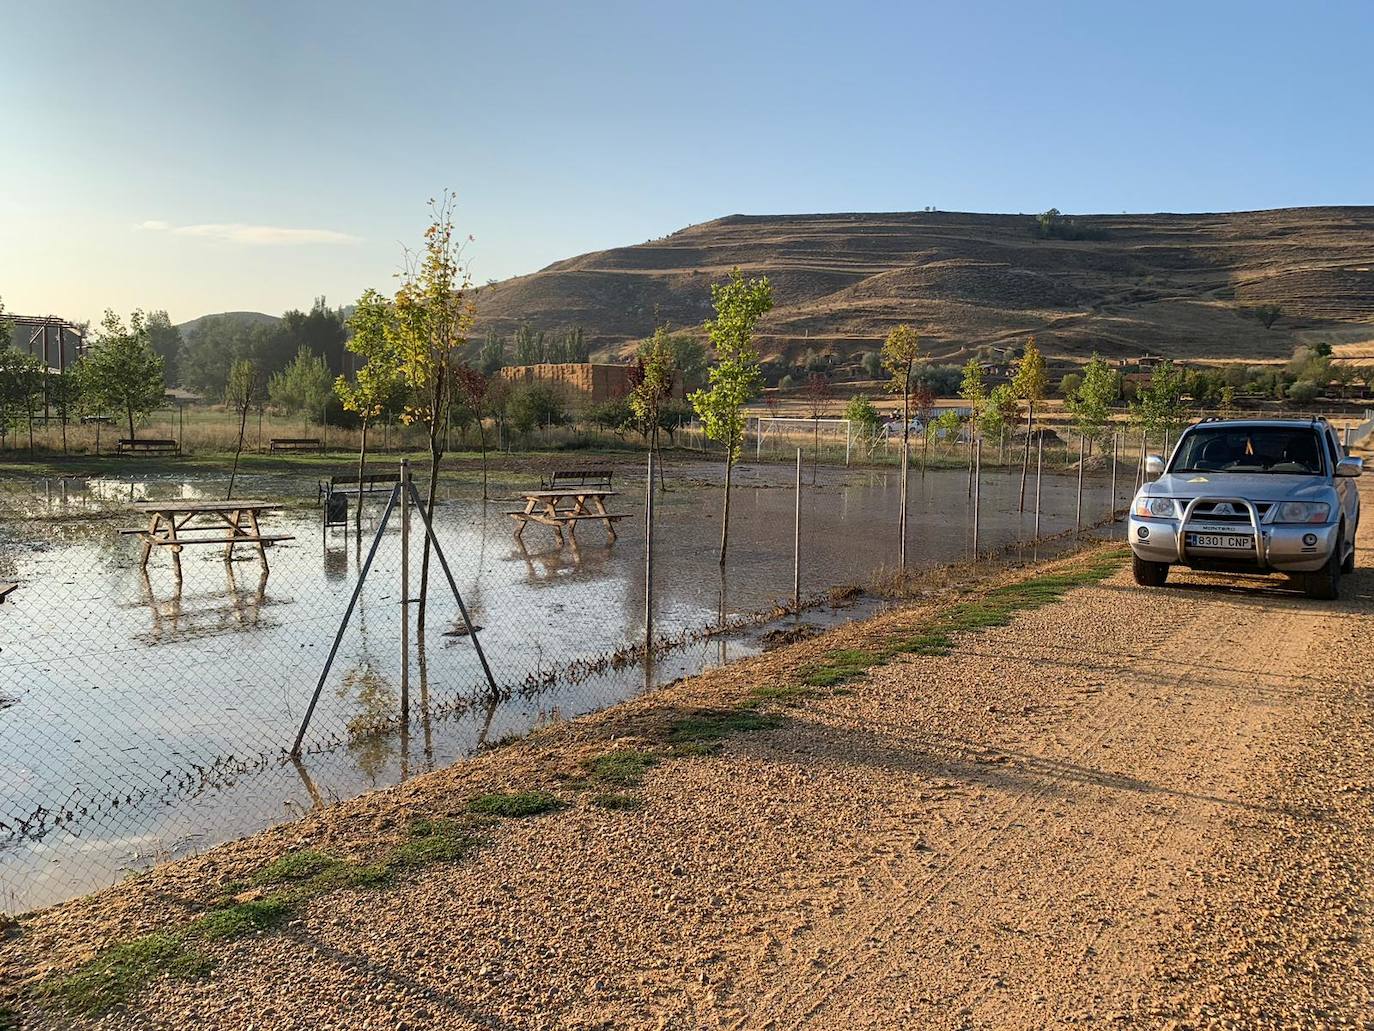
[778, 436]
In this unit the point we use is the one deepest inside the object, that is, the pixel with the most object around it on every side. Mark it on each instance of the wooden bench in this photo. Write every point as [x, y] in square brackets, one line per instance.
[597, 478]
[297, 444]
[6, 590]
[147, 446]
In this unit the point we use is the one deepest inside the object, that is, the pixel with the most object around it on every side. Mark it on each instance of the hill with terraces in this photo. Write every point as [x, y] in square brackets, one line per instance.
[1123, 285]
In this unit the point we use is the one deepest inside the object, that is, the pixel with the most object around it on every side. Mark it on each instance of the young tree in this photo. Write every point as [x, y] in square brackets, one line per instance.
[900, 356]
[864, 418]
[923, 404]
[434, 311]
[492, 357]
[1159, 406]
[165, 340]
[120, 372]
[657, 364]
[971, 389]
[242, 388]
[736, 376]
[817, 398]
[377, 381]
[1090, 404]
[303, 387]
[64, 395]
[473, 388]
[1030, 383]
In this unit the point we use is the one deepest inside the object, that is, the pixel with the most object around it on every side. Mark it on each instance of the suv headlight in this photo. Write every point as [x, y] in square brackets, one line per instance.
[1302, 512]
[1155, 508]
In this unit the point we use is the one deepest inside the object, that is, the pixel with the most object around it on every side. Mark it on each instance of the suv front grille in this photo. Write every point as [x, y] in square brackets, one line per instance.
[1207, 511]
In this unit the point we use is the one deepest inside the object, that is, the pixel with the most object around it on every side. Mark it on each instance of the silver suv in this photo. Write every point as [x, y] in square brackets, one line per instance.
[1250, 495]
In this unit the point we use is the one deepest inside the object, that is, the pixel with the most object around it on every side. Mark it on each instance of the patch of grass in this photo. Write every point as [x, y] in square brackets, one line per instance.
[701, 732]
[840, 665]
[118, 973]
[781, 693]
[625, 767]
[9, 1020]
[434, 841]
[295, 866]
[242, 917]
[618, 800]
[515, 805]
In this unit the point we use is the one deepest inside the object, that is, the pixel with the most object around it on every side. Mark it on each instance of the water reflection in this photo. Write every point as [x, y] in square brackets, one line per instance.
[208, 613]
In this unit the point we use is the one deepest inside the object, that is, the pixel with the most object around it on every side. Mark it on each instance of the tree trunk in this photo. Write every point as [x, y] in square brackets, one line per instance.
[362, 471]
[434, 455]
[725, 513]
[906, 453]
[129, 411]
[482, 439]
[1025, 457]
[234, 472]
[815, 447]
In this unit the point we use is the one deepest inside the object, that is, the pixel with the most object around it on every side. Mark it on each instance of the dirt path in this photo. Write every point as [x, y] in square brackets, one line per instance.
[1129, 808]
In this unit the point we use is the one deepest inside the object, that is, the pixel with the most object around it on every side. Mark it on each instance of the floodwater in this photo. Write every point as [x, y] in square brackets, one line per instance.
[141, 720]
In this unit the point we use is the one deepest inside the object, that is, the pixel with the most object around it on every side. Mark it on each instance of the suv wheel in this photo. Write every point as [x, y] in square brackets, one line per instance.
[1348, 566]
[1325, 583]
[1149, 574]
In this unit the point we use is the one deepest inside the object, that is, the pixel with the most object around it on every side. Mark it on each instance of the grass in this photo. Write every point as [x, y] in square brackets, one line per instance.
[434, 841]
[700, 733]
[117, 973]
[624, 767]
[515, 805]
[242, 917]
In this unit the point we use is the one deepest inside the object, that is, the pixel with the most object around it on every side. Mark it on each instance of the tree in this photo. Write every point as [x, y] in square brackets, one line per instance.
[473, 388]
[533, 406]
[1031, 382]
[64, 396]
[120, 372]
[872, 364]
[376, 384]
[1047, 222]
[689, 358]
[1069, 384]
[19, 381]
[303, 387]
[863, 417]
[165, 340]
[1001, 409]
[1090, 404]
[1159, 406]
[1227, 408]
[492, 358]
[434, 311]
[657, 364]
[972, 390]
[900, 356]
[1268, 314]
[735, 377]
[238, 395]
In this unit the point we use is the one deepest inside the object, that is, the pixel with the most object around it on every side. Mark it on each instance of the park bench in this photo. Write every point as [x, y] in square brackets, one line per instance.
[147, 446]
[91, 420]
[297, 444]
[595, 478]
[6, 590]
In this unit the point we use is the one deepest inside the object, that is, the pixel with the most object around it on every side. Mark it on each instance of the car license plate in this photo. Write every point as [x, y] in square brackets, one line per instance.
[1224, 541]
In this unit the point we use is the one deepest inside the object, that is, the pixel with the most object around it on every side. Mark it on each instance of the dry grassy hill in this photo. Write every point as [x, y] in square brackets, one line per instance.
[1181, 285]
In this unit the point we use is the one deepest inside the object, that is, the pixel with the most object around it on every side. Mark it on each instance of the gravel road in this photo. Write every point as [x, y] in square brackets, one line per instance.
[1131, 808]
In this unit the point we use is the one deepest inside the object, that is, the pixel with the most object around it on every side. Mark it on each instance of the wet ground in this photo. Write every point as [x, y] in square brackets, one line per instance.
[140, 719]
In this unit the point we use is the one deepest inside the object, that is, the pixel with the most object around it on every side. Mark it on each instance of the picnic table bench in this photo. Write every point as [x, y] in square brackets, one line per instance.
[543, 507]
[297, 444]
[147, 446]
[600, 478]
[6, 589]
[176, 524]
[334, 492]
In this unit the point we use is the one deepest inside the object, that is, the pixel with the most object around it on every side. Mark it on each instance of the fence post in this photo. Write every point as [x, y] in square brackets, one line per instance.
[1078, 506]
[405, 584]
[1112, 499]
[649, 560]
[847, 438]
[901, 501]
[977, 489]
[796, 540]
[1039, 468]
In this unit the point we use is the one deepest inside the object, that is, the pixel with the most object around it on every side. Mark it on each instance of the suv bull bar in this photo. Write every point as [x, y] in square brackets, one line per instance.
[1260, 551]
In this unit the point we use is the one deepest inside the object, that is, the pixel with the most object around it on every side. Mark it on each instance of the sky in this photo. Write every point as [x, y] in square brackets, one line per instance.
[200, 157]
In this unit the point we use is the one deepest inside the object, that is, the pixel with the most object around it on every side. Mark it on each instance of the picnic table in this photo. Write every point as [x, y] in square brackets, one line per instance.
[563, 508]
[178, 523]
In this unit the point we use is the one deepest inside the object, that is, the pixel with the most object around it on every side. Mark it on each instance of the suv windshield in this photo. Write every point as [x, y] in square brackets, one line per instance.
[1249, 449]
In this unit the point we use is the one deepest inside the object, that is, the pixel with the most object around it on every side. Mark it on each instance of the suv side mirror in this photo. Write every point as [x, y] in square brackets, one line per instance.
[1350, 466]
[1154, 467]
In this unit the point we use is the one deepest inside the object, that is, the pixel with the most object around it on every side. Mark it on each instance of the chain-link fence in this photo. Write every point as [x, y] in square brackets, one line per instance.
[145, 715]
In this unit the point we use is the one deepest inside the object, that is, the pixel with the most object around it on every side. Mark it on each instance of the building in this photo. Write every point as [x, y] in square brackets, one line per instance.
[581, 383]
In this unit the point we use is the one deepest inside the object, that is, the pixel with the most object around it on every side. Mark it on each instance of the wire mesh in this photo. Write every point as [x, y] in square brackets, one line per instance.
[144, 716]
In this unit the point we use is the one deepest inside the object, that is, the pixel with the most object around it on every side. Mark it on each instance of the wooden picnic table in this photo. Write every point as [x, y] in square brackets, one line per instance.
[563, 508]
[175, 524]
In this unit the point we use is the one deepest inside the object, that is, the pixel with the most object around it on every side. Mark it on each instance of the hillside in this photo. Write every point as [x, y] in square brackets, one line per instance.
[251, 318]
[1180, 285]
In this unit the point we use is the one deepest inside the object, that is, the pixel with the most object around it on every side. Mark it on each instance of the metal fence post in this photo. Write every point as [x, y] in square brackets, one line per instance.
[796, 540]
[1039, 468]
[902, 502]
[649, 559]
[405, 584]
[977, 489]
[1078, 506]
[1111, 501]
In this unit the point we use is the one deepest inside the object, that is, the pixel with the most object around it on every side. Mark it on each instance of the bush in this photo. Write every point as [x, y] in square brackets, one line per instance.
[787, 382]
[1304, 391]
[535, 405]
[1068, 386]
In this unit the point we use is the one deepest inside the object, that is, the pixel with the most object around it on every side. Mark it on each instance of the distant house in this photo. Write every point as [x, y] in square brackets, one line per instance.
[581, 383]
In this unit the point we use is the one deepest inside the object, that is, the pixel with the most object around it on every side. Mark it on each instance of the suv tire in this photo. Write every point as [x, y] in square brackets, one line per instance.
[1325, 583]
[1149, 574]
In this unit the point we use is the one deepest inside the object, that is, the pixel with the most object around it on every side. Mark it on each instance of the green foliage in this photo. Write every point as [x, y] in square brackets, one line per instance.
[21, 387]
[532, 405]
[1051, 225]
[378, 383]
[1031, 381]
[1069, 384]
[434, 841]
[120, 372]
[242, 917]
[689, 358]
[491, 359]
[119, 972]
[1001, 409]
[165, 340]
[735, 377]
[947, 425]
[1303, 391]
[616, 800]
[1159, 407]
[613, 414]
[515, 805]
[872, 364]
[1090, 404]
[303, 387]
[1267, 314]
[971, 387]
[657, 365]
[702, 732]
[863, 416]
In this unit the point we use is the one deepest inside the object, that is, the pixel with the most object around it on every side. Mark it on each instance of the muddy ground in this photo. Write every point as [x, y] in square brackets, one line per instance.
[1123, 808]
